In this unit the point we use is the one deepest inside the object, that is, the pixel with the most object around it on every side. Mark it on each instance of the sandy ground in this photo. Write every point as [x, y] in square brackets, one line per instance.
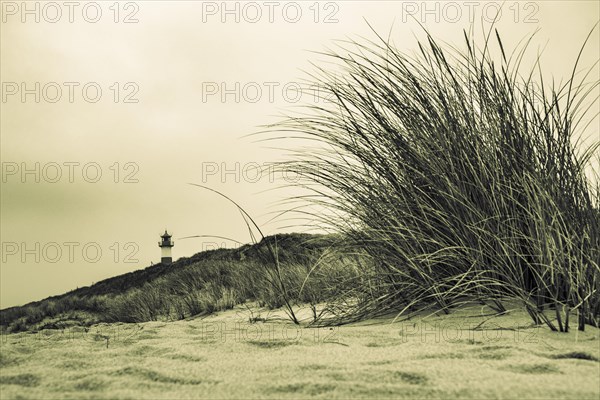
[225, 356]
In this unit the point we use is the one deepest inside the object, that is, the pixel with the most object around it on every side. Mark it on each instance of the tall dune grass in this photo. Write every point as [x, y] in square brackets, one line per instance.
[461, 178]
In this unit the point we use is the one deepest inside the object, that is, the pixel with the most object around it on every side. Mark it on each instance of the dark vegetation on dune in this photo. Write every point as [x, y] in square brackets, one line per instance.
[206, 282]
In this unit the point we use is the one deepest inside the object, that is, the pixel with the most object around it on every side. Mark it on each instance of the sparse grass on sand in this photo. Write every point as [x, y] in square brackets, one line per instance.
[225, 356]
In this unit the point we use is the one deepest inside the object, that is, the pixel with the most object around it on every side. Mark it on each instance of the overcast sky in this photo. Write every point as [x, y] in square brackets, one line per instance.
[165, 99]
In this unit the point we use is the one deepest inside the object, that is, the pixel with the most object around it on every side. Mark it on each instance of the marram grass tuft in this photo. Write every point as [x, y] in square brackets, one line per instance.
[458, 177]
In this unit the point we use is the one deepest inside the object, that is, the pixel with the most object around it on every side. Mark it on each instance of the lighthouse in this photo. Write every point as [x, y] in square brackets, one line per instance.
[165, 248]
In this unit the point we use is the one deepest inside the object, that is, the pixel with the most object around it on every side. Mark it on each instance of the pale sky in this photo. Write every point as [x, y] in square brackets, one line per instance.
[176, 61]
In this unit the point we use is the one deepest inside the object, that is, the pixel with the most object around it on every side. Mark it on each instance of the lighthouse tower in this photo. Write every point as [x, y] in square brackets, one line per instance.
[165, 246]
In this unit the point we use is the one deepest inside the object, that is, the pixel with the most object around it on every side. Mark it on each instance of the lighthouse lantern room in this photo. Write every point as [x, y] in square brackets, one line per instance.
[165, 245]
